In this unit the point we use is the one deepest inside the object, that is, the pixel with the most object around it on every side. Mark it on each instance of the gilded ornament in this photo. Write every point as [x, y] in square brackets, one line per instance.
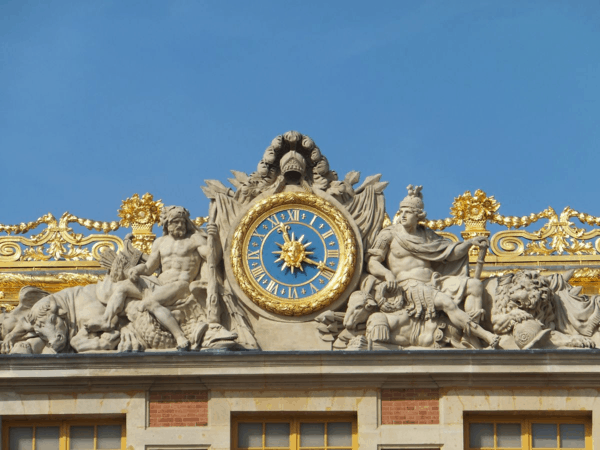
[474, 210]
[58, 241]
[141, 214]
[294, 254]
[11, 283]
[199, 221]
[558, 236]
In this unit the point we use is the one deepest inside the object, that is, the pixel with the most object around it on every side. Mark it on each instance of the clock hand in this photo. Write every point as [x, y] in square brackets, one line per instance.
[283, 229]
[320, 265]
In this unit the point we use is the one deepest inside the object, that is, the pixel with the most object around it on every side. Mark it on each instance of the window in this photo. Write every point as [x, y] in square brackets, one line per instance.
[63, 435]
[528, 433]
[301, 432]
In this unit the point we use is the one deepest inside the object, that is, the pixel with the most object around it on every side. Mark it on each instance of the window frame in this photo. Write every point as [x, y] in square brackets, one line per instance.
[526, 420]
[294, 419]
[64, 429]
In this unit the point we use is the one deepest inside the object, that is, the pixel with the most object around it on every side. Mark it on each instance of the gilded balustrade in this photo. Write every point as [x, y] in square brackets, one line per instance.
[58, 257]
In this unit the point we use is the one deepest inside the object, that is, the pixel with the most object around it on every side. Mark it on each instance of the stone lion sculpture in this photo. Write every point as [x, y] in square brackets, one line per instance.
[530, 310]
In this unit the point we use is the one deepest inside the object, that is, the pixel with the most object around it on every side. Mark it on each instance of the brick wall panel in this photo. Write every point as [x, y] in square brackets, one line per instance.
[410, 406]
[178, 408]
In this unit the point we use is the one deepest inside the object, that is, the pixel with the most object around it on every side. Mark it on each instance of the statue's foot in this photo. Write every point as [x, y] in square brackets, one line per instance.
[183, 345]
[97, 324]
[493, 345]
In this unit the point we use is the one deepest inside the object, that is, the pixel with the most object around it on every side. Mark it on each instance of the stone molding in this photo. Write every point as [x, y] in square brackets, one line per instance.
[317, 370]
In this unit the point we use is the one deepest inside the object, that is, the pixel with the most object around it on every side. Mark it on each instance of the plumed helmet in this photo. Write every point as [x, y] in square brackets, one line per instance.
[414, 199]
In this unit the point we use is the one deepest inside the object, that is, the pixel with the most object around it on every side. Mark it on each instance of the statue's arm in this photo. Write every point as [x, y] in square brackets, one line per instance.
[150, 266]
[462, 249]
[204, 249]
[377, 255]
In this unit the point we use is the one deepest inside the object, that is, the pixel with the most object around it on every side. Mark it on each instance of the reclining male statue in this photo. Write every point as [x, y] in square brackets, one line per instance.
[179, 253]
[429, 272]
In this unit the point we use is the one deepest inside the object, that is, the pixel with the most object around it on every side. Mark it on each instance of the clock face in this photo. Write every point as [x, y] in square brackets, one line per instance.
[294, 253]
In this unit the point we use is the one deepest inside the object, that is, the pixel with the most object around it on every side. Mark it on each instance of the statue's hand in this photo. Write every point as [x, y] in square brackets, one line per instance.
[133, 275]
[212, 229]
[480, 241]
[7, 344]
[390, 277]
[391, 287]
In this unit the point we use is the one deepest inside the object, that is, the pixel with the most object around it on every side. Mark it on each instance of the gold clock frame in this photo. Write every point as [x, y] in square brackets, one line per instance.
[315, 302]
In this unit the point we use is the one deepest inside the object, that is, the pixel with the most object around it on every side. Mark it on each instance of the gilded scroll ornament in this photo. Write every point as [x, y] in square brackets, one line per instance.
[557, 237]
[58, 241]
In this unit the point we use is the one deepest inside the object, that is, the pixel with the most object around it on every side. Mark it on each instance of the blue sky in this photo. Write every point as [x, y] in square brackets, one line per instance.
[103, 99]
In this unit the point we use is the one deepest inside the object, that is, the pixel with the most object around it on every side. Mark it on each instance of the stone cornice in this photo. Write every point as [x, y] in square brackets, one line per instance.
[314, 370]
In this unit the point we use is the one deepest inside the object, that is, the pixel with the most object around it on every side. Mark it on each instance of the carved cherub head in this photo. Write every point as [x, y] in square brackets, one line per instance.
[269, 157]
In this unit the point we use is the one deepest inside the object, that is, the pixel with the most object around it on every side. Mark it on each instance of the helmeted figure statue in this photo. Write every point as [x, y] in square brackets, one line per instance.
[429, 273]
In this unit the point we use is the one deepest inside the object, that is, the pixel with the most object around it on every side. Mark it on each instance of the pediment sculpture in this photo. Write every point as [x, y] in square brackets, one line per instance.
[293, 257]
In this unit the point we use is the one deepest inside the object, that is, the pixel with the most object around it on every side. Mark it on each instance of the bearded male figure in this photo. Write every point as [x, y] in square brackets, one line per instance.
[179, 253]
[429, 272]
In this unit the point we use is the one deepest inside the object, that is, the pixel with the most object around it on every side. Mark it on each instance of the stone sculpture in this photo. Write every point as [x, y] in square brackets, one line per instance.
[127, 311]
[428, 272]
[193, 291]
[530, 310]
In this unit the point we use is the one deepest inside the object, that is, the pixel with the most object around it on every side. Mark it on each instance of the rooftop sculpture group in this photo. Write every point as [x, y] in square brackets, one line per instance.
[291, 242]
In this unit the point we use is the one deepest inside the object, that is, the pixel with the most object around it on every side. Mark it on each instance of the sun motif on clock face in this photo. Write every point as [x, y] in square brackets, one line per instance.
[293, 253]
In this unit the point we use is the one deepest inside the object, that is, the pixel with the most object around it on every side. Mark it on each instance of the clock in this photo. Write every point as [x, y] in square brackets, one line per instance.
[293, 253]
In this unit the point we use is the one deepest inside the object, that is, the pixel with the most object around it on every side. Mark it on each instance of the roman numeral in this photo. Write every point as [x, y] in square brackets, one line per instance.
[327, 274]
[313, 219]
[293, 293]
[253, 255]
[258, 273]
[329, 233]
[274, 220]
[272, 287]
[256, 234]
[333, 253]
[313, 288]
[294, 214]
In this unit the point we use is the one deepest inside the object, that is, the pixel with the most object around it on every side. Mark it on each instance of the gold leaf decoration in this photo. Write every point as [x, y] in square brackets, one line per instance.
[139, 212]
[475, 208]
